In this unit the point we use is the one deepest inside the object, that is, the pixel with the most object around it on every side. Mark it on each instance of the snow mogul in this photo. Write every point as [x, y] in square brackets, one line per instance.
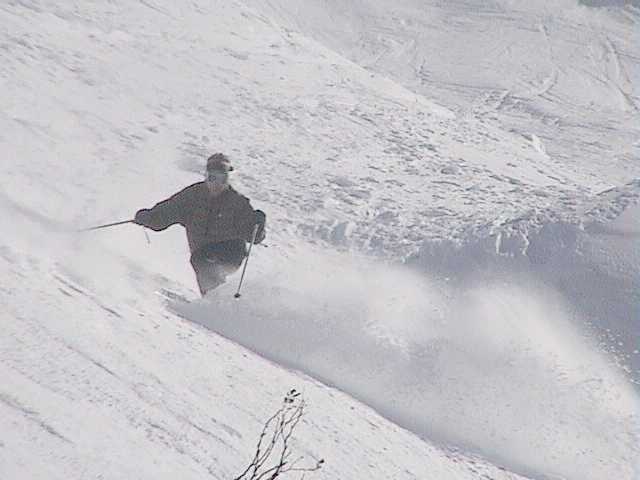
[219, 222]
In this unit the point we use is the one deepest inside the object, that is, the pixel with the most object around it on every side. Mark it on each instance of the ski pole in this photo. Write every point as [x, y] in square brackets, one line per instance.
[106, 225]
[246, 260]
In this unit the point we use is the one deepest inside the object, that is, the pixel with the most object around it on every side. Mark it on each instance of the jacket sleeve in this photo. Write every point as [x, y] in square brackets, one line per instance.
[169, 212]
[261, 221]
[247, 219]
[252, 224]
[260, 235]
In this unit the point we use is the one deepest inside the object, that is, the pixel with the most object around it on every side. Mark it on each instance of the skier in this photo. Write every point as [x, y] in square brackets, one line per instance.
[219, 222]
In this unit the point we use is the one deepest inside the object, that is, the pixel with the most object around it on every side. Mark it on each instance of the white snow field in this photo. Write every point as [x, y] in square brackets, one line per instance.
[451, 277]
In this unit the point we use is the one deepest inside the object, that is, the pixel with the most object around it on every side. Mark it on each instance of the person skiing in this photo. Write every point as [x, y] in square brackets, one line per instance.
[218, 220]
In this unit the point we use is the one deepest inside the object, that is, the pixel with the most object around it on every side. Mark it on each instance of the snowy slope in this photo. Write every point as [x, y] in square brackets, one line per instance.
[124, 389]
[561, 74]
[492, 360]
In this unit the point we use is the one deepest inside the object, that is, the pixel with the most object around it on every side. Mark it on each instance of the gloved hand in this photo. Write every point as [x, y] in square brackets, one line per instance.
[261, 221]
[142, 217]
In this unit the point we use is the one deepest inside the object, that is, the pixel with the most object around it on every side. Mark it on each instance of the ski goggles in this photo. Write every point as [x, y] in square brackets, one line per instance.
[216, 176]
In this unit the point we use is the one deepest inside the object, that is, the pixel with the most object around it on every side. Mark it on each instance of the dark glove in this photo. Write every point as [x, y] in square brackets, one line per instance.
[142, 217]
[261, 222]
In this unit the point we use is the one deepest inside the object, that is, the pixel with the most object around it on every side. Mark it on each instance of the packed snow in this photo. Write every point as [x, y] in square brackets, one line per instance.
[451, 273]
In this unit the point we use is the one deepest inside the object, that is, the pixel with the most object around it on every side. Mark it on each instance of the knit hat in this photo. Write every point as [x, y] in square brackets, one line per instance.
[219, 162]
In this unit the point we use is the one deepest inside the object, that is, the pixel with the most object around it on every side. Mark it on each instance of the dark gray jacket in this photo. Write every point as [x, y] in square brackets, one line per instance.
[207, 219]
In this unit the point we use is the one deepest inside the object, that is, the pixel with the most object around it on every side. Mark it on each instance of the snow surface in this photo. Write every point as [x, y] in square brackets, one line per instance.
[452, 273]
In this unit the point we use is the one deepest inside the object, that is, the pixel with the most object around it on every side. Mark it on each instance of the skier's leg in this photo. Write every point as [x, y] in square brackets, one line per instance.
[209, 275]
[231, 255]
[212, 263]
[210, 279]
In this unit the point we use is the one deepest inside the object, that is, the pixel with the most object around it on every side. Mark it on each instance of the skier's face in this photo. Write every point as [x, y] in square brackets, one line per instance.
[217, 180]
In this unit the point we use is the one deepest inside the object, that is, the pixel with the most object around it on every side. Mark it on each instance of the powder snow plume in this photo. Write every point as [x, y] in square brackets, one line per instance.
[497, 366]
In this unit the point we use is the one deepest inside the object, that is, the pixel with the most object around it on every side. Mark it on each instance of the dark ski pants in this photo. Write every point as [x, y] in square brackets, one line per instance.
[214, 261]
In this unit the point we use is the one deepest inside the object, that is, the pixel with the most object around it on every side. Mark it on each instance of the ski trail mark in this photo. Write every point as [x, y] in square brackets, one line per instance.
[32, 415]
[620, 79]
[74, 288]
[90, 359]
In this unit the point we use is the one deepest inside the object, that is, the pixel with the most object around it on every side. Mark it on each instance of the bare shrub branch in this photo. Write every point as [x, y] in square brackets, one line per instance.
[273, 451]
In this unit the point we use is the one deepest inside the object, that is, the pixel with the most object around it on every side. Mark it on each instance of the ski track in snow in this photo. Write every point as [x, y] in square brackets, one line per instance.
[508, 343]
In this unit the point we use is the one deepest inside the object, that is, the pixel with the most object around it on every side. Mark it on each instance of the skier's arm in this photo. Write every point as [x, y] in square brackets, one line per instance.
[261, 222]
[253, 219]
[163, 214]
[247, 218]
